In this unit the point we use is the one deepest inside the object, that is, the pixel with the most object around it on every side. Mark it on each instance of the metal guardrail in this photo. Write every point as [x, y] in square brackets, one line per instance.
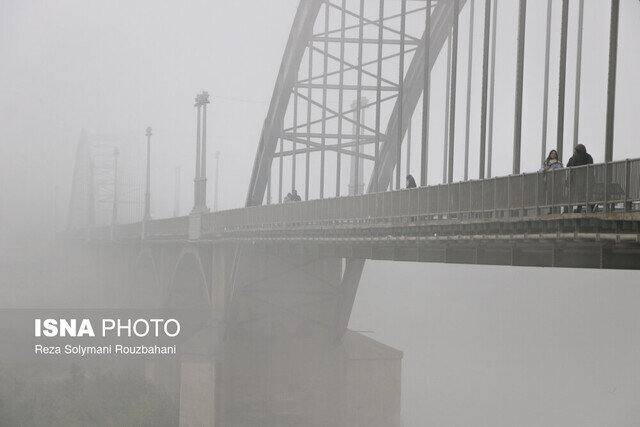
[602, 187]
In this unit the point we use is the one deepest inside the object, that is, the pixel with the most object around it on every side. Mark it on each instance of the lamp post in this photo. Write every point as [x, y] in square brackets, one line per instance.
[147, 193]
[196, 181]
[200, 181]
[203, 167]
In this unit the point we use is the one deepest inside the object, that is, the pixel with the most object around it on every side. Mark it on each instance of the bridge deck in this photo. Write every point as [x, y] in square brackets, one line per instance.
[505, 215]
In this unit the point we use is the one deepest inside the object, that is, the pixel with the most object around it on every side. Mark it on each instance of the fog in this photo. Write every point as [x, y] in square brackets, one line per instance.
[482, 345]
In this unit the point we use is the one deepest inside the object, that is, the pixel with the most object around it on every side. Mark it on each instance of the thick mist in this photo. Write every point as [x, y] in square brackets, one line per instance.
[482, 345]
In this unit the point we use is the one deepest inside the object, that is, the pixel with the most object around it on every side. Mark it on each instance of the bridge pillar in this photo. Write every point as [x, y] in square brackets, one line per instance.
[281, 364]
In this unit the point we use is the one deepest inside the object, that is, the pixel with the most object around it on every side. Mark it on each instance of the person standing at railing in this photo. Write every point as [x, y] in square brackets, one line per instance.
[552, 162]
[411, 182]
[580, 158]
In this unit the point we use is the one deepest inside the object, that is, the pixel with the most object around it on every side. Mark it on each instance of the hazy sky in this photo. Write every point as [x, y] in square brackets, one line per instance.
[116, 67]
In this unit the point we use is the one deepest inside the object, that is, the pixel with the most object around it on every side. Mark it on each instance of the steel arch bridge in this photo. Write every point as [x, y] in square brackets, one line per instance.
[352, 77]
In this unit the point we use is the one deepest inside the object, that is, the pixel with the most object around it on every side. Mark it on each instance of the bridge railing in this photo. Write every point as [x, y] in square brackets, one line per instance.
[599, 186]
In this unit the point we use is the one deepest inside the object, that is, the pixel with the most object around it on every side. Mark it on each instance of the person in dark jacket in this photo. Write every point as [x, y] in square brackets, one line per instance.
[295, 197]
[411, 182]
[580, 157]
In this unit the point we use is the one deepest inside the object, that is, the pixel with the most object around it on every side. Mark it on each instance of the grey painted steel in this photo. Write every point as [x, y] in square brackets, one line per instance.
[325, 59]
[307, 158]
[493, 88]
[576, 116]
[358, 120]
[400, 104]
[517, 127]
[485, 82]
[469, 79]
[454, 85]
[413, 82]
[426, 95]
[378, 92]
[280, 170]
[545, 105]
[611, 85]
[295, 127]
[533, 196]
[341, 96]
[447, 116]
[563, 77]
[301, 33]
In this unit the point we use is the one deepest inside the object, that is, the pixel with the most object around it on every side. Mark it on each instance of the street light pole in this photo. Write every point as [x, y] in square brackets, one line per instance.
[196, 181]
[203, 168]
[147, 194]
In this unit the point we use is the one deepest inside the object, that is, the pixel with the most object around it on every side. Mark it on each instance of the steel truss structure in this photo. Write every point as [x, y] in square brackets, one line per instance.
[107, 187]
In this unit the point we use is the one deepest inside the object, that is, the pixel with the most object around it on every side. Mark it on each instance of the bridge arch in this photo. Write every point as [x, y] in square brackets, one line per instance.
[188, 287]
[146, 287]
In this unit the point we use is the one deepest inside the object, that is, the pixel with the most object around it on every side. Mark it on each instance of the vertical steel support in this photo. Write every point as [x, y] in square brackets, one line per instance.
[452, 104]
[378, 96]
[308, 148]
[576, 116]
[517, 127]
[485, 82]
[340, 95]
[446, 112]
[493, 87]
[280, 168]
[611, 85]
[563, 76]
[268, 190]
[426, 94]
[545, 105]
[469, 77]
[408, 165]
[324, 94]
[359, 95]
[403, 19]
[295, 137]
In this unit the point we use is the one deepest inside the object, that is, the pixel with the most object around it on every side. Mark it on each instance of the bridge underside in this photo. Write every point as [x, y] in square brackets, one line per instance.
[570, 240]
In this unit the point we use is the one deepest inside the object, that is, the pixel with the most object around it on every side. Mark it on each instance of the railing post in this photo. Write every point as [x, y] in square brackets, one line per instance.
[509, 196]
[459, 198]
[553, 188]
[522, 194]
[482, 197]
[586, 196]
[538, 194]
[627, 183]
[606, 187]
[495, 207]
[570, 173]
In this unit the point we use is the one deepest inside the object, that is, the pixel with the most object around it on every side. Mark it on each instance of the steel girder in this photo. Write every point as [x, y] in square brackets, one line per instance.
[410, 87]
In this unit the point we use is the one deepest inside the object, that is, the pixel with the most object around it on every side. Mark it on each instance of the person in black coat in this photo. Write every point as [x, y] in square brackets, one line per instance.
[411, 182]
[580, 157]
